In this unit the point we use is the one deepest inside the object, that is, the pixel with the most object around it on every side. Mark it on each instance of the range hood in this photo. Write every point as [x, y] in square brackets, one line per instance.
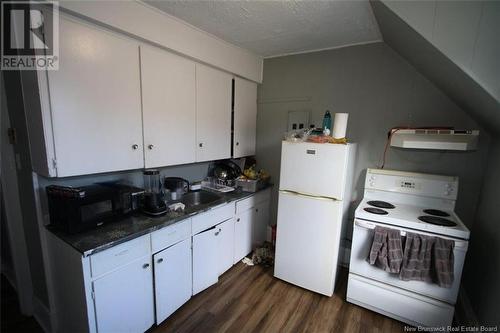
[441, 139]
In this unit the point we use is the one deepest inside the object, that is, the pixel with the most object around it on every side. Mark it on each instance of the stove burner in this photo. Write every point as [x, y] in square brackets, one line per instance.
[437, 220]
[436, 212]
[375, 211]
[381, 204]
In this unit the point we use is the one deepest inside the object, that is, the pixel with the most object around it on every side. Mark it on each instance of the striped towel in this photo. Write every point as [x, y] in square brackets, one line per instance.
[444, 261]
[428, 259]
[386, 251]
[417, 258]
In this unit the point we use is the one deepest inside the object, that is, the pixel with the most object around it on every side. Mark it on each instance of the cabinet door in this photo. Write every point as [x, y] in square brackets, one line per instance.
[213, 114]
[169, 109]
[95, 101]
[245, 117]
[124, 298]
[205, 263]
[243, 234]
[173, 279]
[261, 222]
[225, 243]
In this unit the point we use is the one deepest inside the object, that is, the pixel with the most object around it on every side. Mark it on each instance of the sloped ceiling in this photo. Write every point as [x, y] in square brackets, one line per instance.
[272, 28]
[436, 66]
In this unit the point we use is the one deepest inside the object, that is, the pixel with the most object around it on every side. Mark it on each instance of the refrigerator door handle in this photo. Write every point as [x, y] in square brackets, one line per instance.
[308, 195]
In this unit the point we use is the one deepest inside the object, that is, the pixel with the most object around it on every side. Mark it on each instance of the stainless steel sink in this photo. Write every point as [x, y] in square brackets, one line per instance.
[198, 198]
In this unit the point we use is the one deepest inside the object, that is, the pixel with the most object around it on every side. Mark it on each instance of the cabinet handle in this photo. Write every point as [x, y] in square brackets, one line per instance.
[135, 146]
[237, 220]
[257, 210]
[150, 147]
[145, 266]
[237, 143]
[159, 260]
[201, 144]
[218, 232]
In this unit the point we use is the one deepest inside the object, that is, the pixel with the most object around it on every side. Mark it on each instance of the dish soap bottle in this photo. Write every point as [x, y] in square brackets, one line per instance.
[327, 123]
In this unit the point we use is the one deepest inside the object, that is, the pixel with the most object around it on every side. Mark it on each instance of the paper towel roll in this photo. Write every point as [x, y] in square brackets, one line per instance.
[340, 125]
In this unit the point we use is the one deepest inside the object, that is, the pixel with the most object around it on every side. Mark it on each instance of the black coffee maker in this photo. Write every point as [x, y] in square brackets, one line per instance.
[154, 203]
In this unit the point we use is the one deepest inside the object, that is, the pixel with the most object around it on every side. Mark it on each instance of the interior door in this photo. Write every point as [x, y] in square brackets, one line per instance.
[213, 114]
[308, 241]
[173, 278]
[124, 298]
[95, 101]
[314, 169]
[243, 234]
[205, 262]
[169, 109]
[245, 117]
[225, 243]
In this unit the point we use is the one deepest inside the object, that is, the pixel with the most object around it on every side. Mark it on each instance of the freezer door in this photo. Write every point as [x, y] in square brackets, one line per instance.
[308, 240]
[314, 169]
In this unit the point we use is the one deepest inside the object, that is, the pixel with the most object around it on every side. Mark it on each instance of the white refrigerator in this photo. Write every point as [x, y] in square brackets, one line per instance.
[316, 181]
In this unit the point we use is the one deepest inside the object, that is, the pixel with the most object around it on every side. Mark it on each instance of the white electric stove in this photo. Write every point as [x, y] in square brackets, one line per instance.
[408, 202]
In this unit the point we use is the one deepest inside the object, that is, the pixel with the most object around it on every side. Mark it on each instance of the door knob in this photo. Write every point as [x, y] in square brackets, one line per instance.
[150, 147]
[159, 260]
[135, 146]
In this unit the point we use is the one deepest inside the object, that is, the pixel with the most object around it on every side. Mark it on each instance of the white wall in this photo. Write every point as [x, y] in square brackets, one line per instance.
[482, 269]
[379, 90]
[465, 31]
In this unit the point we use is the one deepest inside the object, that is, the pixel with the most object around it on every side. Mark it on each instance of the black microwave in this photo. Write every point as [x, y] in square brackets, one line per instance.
[75, 209]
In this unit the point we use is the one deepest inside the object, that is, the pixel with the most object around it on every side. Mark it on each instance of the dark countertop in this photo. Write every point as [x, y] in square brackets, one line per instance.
[136, 225]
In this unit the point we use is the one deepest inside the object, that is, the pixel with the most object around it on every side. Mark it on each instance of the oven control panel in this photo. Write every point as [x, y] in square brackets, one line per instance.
[428, 185]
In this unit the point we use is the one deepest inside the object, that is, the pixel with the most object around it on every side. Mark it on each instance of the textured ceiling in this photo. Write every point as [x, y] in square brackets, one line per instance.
[271, 28]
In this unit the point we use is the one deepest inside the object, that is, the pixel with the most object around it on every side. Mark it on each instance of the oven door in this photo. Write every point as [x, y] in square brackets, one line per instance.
[361, 244]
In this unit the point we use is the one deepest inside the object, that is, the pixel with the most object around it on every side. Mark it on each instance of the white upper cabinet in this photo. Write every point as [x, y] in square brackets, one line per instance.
[169, 109]
[245, 117]
[213, 114]
[95, 101]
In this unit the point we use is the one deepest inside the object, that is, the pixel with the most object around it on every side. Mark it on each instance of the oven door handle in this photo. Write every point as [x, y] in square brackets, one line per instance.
[459, 244]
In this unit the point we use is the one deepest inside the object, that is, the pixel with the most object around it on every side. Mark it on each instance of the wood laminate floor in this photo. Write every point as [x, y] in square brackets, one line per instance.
[250, 299]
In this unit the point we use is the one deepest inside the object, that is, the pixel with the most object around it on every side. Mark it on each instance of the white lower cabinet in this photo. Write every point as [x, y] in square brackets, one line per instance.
[173, 278]
[124, 298]
[261, 221]
[225, 245]
[115, 290]
[205, 261]
[243, 234]
[250, 226]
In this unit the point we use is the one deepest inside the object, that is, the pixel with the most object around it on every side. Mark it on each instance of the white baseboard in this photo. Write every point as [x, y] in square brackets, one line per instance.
[42, 315]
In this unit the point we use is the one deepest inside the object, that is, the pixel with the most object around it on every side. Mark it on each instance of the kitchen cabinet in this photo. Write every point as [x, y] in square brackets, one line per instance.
[205, 261]
[169, 109]
[245, 117]
[213, 114]
[173, 278]
[93, 119]
[124, 298]
[243, 229]
[261, 221]
[225, 245]
[250, 226]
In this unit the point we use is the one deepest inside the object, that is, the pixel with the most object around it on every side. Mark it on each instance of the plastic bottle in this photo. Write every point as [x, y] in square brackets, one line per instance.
[327, 122]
